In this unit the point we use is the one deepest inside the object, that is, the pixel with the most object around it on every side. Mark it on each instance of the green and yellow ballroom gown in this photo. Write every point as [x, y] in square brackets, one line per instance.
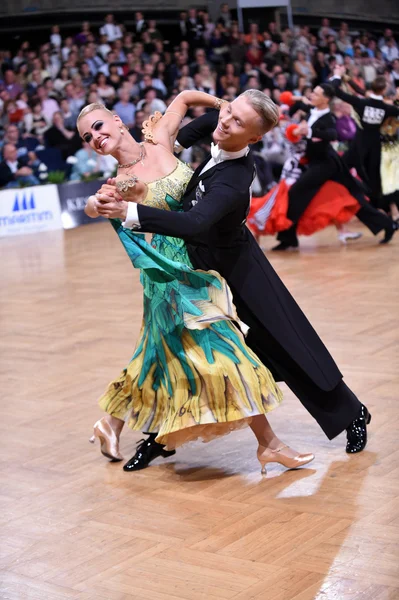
[192, 375]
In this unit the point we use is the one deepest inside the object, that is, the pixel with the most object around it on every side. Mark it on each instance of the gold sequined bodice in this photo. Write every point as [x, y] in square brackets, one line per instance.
[173, 184]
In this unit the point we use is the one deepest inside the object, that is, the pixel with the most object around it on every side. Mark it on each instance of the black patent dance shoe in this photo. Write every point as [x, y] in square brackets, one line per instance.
[147, 450]
[356, 433]
[285, 247]
[390, 232]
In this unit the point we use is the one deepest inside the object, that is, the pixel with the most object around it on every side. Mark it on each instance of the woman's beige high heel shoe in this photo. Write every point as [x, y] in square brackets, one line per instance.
[267, 455]
[108, 440]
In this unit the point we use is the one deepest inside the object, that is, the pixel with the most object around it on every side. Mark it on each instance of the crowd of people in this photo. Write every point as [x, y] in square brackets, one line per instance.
[135, 71]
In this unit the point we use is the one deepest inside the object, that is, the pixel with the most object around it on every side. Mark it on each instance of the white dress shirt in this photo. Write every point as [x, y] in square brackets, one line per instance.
[315, 115]
[112, 31]
[217, 156]
[13, 166]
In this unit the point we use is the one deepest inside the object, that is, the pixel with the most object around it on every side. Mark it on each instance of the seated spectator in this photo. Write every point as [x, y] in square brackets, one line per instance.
[218, 47]
[390, 50]
[150, 99]
[10, 85]
[154, 33]
[253, 35]
[114, 78]
[280, 82]
[208, 79]
[55, 38]
[82, 37]
[35, 121]
[135, 131]
[229, 78]
[21, 77]
[89, 163]
[253, 82]
[368, 70]
[125, 109]
[304, 68]
[12, 135]
[356, 76]
[110, 29]
[344, 42]
[197, 83]
[110, 60]
[15, 172]
[12, 113]
[209, 28]
[346, 126]
[104, 90]
[140, 25]
[156, 82]
[104, 47]
[58, 136]
[301, 86]
[326, 30]
[186, 83]
[86, 75]
[395, 72]
[62, 79]
[75, 101]
[254, 55]
[49, 105]
[67, 114]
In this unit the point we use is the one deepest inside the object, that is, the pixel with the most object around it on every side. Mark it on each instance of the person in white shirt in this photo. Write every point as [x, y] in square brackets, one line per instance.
[49, 105]
[390, 50]
[66, 49]
[140, 24]
[55, 37]
[110, 29]
[151, 101]
[104, 48]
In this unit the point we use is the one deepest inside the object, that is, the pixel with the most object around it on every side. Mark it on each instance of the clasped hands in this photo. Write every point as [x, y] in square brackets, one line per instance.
[112, 204]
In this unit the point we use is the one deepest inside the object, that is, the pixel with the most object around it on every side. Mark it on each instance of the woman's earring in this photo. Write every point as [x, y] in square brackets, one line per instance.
[121, 129]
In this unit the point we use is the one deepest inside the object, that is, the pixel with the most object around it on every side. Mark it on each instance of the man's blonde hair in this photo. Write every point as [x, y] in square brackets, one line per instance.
[265, 107]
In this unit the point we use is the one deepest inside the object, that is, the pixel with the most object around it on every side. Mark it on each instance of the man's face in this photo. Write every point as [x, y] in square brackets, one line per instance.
[9, 77]
[318, 98]
[238, 125]
[281, 80]
[150, 95]
[12, 134]
[124, 96]
[10, 153]
[139, 118]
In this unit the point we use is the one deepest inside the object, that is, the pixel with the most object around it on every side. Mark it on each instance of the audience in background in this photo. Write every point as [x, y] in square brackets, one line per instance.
[136, 71]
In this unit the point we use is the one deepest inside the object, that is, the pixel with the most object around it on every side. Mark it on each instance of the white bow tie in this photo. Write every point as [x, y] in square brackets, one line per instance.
[216, 153]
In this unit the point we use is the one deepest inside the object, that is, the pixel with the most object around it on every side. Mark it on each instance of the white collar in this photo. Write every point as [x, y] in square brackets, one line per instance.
[220, 155]
[319, 113]
[375, 97]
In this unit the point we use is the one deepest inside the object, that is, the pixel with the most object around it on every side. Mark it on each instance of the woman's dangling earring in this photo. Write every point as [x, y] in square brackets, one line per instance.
[121, 129]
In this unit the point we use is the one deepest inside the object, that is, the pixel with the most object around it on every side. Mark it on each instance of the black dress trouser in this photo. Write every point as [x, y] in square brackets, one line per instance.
[303, 191]
[333, 410]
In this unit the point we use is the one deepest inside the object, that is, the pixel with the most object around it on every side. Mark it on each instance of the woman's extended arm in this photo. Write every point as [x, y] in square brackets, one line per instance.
[166, 129]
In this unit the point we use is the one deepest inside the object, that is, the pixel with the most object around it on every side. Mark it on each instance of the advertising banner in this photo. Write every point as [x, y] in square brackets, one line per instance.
[73, 197]
[29, 210]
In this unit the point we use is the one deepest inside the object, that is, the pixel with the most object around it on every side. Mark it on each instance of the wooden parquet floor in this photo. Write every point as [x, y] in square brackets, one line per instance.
[204, 524]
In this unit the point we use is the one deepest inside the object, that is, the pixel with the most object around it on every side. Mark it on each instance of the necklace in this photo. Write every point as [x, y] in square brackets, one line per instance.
[136, 160]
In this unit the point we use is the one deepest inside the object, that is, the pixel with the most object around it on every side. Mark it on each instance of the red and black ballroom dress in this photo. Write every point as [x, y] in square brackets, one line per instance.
[332, 205]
